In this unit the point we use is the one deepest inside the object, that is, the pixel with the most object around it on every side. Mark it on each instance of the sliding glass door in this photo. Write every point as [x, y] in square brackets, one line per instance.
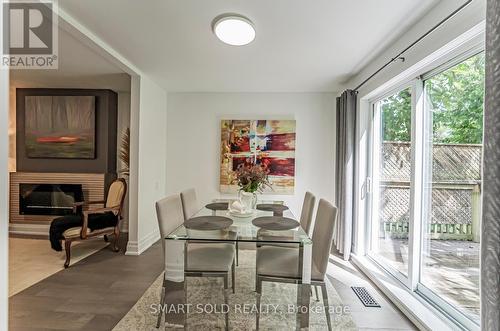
[426, 153]
[391, 160]
[452, 214]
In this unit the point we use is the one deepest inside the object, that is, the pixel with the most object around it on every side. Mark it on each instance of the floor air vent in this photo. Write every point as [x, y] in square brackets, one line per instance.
[365, 297]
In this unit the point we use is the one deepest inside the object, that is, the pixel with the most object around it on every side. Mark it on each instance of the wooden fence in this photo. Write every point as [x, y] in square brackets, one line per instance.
[445, 231]
[456, 191]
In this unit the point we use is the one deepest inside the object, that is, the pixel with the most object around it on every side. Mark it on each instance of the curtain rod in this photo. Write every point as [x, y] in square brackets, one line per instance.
[399, 56]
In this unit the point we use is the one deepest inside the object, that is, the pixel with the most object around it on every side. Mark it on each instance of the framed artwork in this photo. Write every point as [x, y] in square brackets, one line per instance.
[270, 143]
[60, 127]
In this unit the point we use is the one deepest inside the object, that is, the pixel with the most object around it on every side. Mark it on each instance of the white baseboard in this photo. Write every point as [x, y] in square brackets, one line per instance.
[138, 247]
[29, 229]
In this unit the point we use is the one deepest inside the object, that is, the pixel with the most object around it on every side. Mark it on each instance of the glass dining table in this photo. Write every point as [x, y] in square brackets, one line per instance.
[240, 231]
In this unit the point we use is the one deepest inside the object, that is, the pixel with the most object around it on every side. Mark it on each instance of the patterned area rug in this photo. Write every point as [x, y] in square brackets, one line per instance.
[204, 293]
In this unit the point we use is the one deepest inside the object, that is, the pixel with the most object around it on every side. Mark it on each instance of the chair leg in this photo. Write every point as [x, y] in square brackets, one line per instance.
[162, 303]
[299, 306]
[257, 315]
[67, 248]
[226, 301]
[316, 292]
[233, 278]
[237, 255]
[185, 297]
[325, 303]
[256, 264]
[115, 242]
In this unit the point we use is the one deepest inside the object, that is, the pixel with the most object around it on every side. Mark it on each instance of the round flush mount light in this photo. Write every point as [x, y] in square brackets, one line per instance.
[233, 29]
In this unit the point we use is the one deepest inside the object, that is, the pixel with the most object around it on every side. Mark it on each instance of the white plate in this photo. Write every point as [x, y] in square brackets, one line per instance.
[239, 214]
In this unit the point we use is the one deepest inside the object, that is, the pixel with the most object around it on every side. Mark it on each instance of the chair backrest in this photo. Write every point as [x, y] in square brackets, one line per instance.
[116, 194]
[323, 235]
[307, 212]
[170, 216]
[189, 203]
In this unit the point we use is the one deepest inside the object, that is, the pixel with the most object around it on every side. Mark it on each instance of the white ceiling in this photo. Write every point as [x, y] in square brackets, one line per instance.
[79, 66]
[300, 45]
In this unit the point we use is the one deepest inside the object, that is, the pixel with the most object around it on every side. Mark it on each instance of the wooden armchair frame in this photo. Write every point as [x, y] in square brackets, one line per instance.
[84, 234]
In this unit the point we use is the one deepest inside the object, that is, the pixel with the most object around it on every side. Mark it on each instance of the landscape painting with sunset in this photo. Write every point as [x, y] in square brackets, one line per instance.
[270, 143]
[60, 127]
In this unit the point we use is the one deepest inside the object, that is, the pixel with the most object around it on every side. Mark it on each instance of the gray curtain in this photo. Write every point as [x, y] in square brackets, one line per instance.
[490, 229]
[344, 191]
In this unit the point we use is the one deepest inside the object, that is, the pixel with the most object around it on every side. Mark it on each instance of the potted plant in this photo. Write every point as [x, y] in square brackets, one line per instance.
[125, 153]
[251, 178]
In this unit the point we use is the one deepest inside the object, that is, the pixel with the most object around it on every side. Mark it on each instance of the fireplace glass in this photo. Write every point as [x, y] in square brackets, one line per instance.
[48, 199]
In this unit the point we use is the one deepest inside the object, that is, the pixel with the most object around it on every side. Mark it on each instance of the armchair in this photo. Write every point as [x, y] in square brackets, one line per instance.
[112, 209]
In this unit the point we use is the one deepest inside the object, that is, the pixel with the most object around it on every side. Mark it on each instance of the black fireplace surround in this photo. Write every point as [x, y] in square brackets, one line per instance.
[48, 199]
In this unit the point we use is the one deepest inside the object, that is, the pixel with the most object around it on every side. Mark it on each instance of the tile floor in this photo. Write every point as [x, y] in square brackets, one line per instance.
[31, 260]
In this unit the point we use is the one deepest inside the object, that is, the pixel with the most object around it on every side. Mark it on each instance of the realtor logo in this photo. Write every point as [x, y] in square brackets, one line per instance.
[30, 34]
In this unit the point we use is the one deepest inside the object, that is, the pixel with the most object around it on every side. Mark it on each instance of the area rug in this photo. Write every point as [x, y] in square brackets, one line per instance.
[205, 293]
[32, 260]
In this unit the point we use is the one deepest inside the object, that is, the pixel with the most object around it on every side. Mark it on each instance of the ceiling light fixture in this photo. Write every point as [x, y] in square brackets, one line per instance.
[233, 29]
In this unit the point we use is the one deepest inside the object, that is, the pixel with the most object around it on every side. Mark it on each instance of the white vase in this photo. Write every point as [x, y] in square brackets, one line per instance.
[248, 201]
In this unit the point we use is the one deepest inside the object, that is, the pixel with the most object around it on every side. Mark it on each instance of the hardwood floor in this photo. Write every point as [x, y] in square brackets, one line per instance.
[343, 274]
[93, 294]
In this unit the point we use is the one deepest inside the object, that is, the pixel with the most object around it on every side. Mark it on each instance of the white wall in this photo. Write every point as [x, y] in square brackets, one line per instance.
[123, 122]
[4, 187]
[148, 149]
[193, 139]
[470, 16]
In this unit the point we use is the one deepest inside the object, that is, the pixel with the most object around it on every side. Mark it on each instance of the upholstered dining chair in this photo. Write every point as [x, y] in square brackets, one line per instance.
[281, 264]
[307, 212]
[305, 220]
[201, 259]
[189, 203]
[190, 207]
[113, 205]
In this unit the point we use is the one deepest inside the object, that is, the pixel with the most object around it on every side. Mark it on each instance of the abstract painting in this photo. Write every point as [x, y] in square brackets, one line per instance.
[270, 143]
[60, 127]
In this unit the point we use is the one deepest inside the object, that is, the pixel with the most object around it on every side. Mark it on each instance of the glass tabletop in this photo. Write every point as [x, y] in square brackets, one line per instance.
[242, 230]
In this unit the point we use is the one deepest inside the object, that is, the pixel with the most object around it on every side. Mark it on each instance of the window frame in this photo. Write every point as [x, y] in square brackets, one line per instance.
[421, 289]
[419, 155]
[372, 210]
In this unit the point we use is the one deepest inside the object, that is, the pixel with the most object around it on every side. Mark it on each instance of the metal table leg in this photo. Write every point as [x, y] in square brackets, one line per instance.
[175, 289]
[304, 288]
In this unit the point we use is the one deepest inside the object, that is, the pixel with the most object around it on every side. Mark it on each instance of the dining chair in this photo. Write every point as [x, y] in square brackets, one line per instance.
[189, 203]
[190, 207]
[305, 223]
[281, 264]
[307, 212]
[200, 259]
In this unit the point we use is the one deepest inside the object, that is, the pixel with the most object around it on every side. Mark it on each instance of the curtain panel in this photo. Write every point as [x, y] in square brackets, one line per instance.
[490, 229]
[344, 190]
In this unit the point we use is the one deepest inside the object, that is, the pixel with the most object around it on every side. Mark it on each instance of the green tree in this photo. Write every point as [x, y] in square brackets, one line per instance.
[396, 116]
[455, 98]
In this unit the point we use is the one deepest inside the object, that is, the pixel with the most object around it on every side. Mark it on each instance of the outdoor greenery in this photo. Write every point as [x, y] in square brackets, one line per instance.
[396, 116]
[455, 97]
